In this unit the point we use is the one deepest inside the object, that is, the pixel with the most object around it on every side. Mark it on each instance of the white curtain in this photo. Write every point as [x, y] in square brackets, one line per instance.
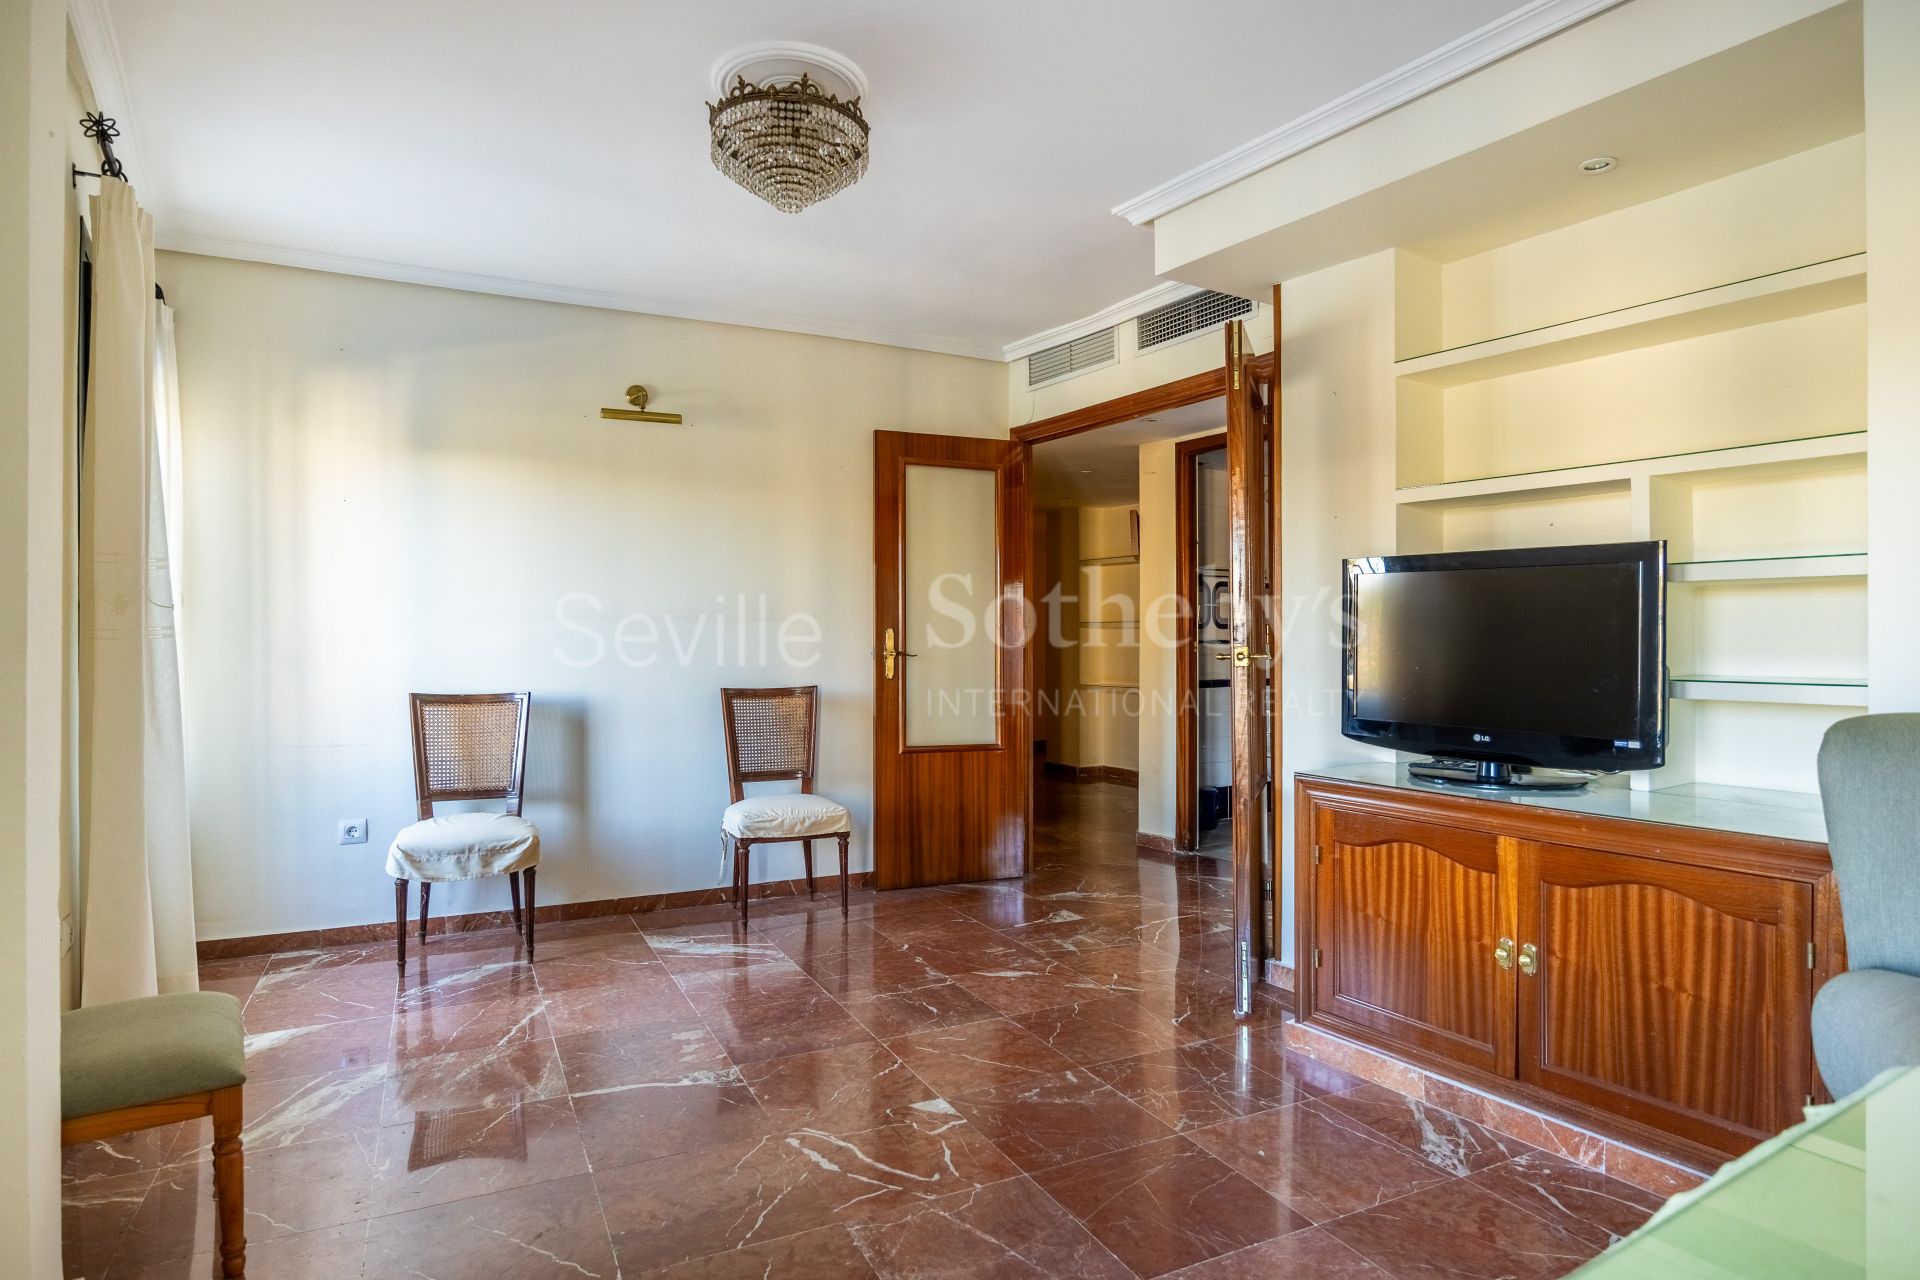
[136, 875]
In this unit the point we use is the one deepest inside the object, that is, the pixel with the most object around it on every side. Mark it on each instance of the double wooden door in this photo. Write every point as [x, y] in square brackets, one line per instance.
[1673, 995]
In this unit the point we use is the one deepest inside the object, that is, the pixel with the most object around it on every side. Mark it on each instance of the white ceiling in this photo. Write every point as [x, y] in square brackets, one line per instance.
[559, 150]
[1101, 468]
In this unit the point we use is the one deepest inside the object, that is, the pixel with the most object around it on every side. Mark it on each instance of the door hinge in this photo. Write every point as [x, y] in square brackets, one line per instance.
[1266, 886]
[1809, 955]
[1316, 957]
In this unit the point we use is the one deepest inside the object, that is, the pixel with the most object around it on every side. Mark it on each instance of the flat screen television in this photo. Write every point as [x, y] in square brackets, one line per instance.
[1544, 658]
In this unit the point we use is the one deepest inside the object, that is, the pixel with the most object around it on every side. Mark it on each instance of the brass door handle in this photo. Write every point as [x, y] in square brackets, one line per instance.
[888, 652]
[1241, 656]
[1529, 960]
[1503, 953]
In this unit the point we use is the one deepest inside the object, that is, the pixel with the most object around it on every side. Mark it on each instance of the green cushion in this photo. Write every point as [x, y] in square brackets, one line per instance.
[148, 1050]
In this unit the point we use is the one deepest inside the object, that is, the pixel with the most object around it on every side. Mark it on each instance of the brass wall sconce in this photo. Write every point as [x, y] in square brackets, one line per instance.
[637, 397]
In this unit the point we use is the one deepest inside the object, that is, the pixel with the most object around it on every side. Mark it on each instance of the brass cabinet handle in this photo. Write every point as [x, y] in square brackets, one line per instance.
[1503, 953]
[1529, 959]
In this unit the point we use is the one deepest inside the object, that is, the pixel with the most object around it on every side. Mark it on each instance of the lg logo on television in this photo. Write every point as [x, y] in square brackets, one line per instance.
[1483, 737]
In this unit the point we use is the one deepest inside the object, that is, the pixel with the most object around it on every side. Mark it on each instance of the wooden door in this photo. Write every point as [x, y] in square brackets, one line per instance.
[1248, 530]
[952, 723]
[1674, 995]
[1409, 923]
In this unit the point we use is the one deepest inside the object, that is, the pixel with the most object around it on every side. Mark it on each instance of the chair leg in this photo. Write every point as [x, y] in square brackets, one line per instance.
[400, 924]
[426, 891]
[513, 883]
[529, 874]
[808, 846]
[843, 872]
[741, 879]
[229, 1182]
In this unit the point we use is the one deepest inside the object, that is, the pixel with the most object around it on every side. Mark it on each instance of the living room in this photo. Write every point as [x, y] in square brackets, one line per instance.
[653, 695]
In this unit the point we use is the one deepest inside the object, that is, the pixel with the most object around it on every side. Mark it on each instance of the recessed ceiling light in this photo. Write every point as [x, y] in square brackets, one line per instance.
[1599, 164]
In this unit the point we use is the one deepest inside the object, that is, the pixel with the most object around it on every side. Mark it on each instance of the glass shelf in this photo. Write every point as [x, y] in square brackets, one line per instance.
[1815, 691]
[1849, 564]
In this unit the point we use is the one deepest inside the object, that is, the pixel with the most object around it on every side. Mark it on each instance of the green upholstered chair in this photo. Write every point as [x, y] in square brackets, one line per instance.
[1868, 1018]
[137, 1064]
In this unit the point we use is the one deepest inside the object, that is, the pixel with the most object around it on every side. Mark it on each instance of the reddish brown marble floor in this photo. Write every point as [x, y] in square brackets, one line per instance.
[1031, 1078]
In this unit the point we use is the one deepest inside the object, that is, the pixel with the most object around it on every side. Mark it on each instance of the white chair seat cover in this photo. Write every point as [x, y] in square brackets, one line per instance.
[791, 816]
[464, 846]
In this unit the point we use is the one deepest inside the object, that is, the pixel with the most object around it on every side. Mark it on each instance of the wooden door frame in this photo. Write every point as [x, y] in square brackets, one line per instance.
[1186, 820]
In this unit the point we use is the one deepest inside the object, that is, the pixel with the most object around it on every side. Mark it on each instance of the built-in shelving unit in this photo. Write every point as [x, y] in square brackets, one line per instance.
[1781, 295]
[1725, 420]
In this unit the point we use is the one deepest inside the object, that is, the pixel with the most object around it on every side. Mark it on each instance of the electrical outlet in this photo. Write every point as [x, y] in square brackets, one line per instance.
[353, 831]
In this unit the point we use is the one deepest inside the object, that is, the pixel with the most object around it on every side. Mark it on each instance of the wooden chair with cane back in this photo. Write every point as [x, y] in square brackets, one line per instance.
[466, 746]
[771, 736]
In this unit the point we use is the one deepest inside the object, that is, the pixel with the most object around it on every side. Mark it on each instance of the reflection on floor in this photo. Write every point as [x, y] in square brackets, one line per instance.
[1030, 1078]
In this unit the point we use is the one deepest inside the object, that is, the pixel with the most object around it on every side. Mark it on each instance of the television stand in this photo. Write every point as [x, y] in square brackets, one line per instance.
[1496, 775]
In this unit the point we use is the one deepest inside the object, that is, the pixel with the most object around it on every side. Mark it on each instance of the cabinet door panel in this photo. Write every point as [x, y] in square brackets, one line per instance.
[1674, 995]
[1408, 915]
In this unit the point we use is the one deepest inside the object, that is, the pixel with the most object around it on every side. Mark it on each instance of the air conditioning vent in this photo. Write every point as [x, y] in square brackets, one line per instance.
[1188, 316]
[1077, 356]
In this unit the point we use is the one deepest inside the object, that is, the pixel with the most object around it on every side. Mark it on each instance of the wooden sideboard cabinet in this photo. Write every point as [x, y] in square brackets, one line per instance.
[1641, 962]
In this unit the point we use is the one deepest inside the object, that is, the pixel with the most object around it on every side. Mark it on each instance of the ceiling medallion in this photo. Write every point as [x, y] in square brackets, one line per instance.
[791, 140]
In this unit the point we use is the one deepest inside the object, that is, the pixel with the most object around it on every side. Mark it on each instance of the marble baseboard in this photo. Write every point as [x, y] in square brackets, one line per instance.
[1153, 843]
[1605, 1155]
[355, 934]
[1279, 975]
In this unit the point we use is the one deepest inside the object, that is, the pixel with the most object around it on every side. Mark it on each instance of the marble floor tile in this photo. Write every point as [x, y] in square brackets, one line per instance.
[778, 1028]
[1102, 1030]
[1193, 1085]
[691, 1206]
[440, 1157]
[293, 1053]
[652, 996]
[1164, 1205]
[552, 1231]
[1584, 1202]
[1316, 1254]
[470, 1079]
[941, 1002]
[848, 1089]
[808, 1255]
[1057, 1119]
[672, 1049]
[978, 1055]
[1319, 1168]
[634, 1123]
[1456, 1231]
[1008, 1230]
[94, 1214]
[330, 1253]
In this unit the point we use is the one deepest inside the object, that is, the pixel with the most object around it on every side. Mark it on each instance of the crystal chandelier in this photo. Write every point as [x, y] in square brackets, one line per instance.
[789, 142]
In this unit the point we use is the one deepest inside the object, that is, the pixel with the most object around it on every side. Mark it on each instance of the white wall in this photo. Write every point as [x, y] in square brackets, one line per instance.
[33, 185]
[1337, 477]
[393, 487]
[1892, 42]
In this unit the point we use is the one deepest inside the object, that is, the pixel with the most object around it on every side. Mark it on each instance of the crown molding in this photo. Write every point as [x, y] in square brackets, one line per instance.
[472, 282]
[1106, 317]
[1527, 25]
[99, 46]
